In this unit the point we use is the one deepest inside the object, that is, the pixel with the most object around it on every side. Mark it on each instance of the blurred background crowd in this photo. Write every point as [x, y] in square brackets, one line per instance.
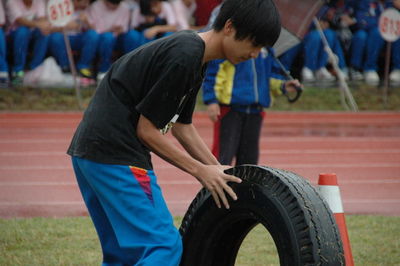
[102, 30]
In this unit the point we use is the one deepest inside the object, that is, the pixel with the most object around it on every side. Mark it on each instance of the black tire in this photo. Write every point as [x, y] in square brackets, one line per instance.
[298, 219]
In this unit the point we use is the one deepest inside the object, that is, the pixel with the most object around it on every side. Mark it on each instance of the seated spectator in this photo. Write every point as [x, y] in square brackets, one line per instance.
[366, 41]
[315, 56]
[82, 38]
[184, 11]
[153, 19]
[110, 19]
[27, 22]
[3, 62]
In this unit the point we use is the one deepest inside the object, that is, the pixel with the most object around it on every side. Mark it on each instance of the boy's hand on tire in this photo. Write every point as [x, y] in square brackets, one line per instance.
[215, 180]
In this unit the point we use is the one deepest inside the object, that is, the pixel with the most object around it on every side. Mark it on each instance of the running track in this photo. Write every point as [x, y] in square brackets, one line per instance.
[363, 149]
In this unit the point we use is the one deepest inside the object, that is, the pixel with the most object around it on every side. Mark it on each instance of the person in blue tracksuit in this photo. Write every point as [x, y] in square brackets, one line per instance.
[236, 96]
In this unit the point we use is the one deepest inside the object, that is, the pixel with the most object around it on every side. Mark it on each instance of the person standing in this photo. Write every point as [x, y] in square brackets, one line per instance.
[145, 93]
[236, 96]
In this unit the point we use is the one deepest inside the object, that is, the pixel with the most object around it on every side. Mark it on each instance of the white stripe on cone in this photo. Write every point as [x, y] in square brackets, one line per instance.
[331, 195]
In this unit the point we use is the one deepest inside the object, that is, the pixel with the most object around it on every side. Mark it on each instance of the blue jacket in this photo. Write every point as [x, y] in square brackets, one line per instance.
[249, 83]
[367, 12]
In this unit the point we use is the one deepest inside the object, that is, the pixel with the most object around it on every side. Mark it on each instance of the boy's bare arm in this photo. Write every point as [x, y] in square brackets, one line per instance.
[211, 177]
[190, 139]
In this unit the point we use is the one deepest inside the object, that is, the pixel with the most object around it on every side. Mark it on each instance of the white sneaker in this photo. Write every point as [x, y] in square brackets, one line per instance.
[323, 74]
[100, 76]
[307, 75]
[394, 76]
[371, 77]
[355, 75]
[345, 73]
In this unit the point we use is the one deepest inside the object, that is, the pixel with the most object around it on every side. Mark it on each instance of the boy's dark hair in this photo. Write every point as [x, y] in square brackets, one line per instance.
[257, 20]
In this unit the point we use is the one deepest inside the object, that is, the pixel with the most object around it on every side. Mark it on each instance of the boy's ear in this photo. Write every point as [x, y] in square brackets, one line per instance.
[228, 27]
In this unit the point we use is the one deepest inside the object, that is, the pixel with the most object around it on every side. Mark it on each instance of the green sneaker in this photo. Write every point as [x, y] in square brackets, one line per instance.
[86, 73]
[18, 78]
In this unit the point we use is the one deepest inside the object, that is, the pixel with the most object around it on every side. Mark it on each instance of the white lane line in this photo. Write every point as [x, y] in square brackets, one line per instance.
[166, 167]
[263, 151]
[33, 153]
[33, 141]
[176, 202]
[266, 139]
[329, 151]
[41, 183]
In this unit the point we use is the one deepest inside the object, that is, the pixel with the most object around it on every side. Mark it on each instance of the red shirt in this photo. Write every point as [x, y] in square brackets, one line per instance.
[203, 10]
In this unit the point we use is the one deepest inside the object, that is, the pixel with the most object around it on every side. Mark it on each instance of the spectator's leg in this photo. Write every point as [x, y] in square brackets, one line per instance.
[312, 47]
[336, 47]
[395, 73]
[105, 48]
[358, 44]
[374, 46]
[289, 56]
[3, 62]
[58, 50]
[20, 40]
[132, 40]
[39, 48]
[85, 43]
[396, 55]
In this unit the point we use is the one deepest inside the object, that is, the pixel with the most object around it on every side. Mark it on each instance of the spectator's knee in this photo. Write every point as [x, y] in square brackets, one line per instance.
[56, 38]
[22, 32]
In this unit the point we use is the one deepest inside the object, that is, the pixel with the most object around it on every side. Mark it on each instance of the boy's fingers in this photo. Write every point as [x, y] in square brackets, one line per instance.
[216, 198]
[230, 192]
[222, 196]
[232, 178]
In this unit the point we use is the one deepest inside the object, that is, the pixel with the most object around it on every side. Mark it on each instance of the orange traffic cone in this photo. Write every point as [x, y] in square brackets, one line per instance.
[329, 189]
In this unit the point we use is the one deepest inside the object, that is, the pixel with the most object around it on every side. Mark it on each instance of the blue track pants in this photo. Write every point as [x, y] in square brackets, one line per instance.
[131, 218]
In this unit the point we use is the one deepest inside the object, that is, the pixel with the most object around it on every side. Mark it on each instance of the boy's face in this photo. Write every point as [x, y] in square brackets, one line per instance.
[237, 51]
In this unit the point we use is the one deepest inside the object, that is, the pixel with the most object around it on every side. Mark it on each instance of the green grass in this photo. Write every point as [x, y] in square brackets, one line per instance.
[313, 99]
[73, 241]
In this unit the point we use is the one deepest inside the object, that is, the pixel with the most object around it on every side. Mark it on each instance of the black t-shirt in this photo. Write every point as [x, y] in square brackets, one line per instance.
[151, 80]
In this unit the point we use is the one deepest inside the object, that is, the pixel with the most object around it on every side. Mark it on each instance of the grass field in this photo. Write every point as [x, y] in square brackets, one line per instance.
[375, 240]
[73, 241]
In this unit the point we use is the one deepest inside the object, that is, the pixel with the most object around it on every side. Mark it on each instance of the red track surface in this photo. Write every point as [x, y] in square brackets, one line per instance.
[36, 178]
